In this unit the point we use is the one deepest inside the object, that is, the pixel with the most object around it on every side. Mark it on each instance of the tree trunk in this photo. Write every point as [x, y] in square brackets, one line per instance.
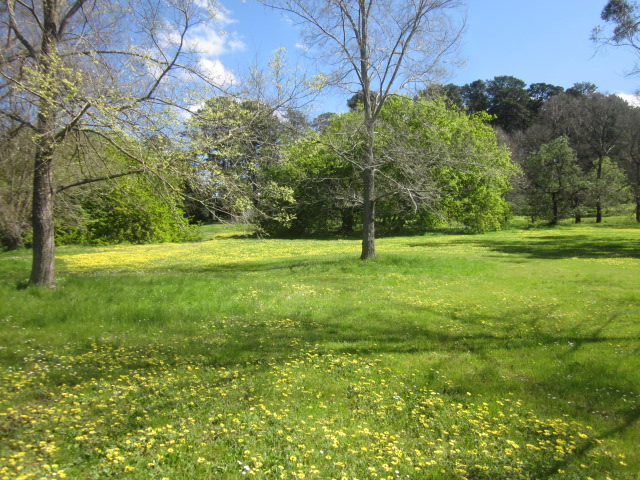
[599, 200]
[638, 208]
[555, 215]
[42, 268]
[368, 215]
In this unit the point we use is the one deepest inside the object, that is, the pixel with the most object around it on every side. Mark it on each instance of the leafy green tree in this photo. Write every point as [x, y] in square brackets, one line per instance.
[608, 186]
[598, 130]
[556, 178]
[595, 126]
[450, 93]
[582, 88]
[629, 156]
[131, 209]
[475, 97]
[509, 101]
[436, 165]
[234, 143]
[539, 93]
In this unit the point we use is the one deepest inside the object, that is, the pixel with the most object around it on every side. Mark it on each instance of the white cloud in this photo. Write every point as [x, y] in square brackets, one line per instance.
[631, 99]
[217, 72]
[236, 44]
[207, 41]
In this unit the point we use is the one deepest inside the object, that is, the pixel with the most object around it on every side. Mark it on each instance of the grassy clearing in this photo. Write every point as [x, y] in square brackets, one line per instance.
[511, 355]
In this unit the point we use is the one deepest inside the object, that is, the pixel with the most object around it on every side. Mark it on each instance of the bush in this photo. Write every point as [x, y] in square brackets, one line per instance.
[134, 210]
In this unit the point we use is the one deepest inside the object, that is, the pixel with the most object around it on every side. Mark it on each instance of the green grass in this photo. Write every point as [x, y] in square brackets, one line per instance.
[510, 355]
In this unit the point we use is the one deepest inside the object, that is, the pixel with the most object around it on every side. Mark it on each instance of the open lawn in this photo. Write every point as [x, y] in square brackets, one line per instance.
[510, 355]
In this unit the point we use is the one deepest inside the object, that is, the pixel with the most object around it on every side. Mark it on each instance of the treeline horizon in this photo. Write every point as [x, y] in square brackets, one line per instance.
[264, 176]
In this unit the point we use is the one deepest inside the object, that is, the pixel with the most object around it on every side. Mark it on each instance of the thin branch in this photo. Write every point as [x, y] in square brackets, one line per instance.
[99, 179]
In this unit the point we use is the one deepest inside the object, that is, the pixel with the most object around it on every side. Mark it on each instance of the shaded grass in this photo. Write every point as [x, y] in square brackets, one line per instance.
[241, 344]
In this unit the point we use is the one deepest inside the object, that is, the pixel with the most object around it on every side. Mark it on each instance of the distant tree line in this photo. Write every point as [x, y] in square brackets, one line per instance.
[466, 156]
[599, 168]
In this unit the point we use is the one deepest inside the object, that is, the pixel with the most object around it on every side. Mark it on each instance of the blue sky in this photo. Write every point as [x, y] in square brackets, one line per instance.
[536, 41]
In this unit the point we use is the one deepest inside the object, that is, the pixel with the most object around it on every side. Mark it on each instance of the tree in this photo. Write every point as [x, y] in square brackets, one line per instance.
[450, 93]
[594, 124]
[72, 67]
[598, 130]
[436, 166]
[475, 97]
[630, 155]
[379, 48]
[539, 93]
[233, 143]
[509, 101]
[582, 88]
[15, 188]
[624, 16]
[556, 178]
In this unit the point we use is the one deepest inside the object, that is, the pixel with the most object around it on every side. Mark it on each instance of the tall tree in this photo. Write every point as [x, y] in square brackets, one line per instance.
[15, 188]
[72, 66]
[509, 101]
[378, 47]
[441, 166]
[234, 144]
[598, 130]
[555, 178]
[630, 155]
[475, 97]
[539, 93]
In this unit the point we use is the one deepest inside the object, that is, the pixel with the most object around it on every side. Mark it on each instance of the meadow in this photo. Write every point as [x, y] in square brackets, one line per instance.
[509, 355]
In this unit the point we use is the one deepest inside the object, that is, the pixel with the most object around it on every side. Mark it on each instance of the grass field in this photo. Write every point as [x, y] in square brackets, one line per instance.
[510, 355]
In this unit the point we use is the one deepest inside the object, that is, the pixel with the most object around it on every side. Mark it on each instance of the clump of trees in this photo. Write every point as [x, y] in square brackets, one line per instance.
[436, 166]
[600, 130]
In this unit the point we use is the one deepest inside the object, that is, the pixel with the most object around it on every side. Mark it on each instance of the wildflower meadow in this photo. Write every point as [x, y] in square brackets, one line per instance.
[509, 355]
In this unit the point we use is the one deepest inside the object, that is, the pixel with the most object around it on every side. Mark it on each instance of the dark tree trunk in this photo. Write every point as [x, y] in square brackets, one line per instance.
[368, 215]
[638, 208]
[555, 215]
[599, 200]
[42, 269]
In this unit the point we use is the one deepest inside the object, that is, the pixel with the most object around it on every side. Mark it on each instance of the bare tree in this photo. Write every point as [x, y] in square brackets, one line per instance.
[377, 48]
[88, 67]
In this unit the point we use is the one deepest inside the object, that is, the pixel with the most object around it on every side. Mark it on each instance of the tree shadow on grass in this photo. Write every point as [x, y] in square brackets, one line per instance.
[552, 247]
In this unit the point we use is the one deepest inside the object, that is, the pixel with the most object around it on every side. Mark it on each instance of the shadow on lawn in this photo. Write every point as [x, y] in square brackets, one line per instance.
[552, 247]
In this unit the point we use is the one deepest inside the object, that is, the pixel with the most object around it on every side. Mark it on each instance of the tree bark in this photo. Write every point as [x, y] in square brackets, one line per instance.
[43, 266]
[368, 214]
[599, 200]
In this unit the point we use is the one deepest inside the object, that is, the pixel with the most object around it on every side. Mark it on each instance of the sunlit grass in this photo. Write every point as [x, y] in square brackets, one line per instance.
[511, 355]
